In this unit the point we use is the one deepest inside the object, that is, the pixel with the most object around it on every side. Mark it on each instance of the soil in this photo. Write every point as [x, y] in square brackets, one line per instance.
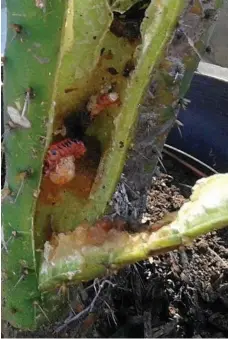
[183, 293]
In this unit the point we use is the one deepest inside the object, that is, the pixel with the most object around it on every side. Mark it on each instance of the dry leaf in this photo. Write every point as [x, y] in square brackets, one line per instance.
[17, 119]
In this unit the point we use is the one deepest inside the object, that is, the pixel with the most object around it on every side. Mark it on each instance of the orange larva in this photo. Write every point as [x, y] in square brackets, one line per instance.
[65, 148]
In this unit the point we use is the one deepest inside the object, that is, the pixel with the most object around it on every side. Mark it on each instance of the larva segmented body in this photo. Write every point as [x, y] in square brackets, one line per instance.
[62, 149]
[98, 103]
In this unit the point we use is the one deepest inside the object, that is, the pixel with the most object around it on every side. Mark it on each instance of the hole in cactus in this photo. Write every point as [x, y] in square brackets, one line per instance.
[53, 196]
[84, 173]
[77, 123]
[127, 25]
[86, 109]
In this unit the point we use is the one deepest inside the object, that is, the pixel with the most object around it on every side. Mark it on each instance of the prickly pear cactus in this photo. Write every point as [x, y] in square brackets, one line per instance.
[80, 70]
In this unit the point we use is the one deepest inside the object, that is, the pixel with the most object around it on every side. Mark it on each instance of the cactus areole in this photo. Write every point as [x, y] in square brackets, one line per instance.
[77, 107]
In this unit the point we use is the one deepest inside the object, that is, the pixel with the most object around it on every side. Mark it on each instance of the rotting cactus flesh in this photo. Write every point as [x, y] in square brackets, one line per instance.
[89, 252]
[85, 67]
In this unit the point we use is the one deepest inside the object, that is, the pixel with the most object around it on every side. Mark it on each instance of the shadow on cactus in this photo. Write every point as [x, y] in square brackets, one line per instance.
[86, 117]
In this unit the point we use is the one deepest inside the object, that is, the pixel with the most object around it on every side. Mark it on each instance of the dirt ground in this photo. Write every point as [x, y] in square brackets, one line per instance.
[179, 294]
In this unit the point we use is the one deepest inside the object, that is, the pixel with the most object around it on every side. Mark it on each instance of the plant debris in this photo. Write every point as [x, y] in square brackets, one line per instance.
[17, 120]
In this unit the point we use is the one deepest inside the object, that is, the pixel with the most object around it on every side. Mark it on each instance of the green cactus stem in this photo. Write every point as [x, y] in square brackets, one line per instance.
[86, 197]
[30, 62]
[87, 253]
